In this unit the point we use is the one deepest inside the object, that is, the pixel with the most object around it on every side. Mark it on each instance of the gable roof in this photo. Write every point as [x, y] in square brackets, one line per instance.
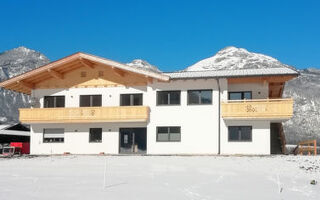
[26, 81]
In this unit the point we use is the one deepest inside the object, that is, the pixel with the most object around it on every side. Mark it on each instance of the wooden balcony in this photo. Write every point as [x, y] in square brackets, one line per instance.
[85, 114]
[279, 109]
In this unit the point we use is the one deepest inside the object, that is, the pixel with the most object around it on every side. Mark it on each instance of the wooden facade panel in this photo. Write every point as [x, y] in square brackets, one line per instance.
[89, 77]
[258, 109]
[85, 114]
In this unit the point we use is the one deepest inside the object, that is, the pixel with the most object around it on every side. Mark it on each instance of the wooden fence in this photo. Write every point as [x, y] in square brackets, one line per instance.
[306, 147]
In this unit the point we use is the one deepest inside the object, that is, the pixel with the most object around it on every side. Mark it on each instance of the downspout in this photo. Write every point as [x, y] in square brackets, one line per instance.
[219, 114]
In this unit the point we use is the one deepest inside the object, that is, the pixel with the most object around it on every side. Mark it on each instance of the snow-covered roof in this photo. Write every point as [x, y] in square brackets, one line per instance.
[16, 133]
[231, 73]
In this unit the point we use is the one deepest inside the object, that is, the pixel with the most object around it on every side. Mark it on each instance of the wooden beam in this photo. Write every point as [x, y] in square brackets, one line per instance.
[261, 79]
[55, 74]
[150, 80]
[118, 71]
[27, 85]
[86, 63]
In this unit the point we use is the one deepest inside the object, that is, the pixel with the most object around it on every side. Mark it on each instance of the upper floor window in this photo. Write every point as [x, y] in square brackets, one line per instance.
[199, 97]
[90, 100]
[53, 101]
[130, 99]
[239, 95]
[168, 97]
[240, 133]
[53, 135]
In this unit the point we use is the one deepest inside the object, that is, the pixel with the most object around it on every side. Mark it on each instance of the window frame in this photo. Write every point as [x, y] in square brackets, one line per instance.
[43, 136]
[239, 129]
[54, 101]
[169, 132]
[90, 141]
[242, 95]
[131, 96]
[91, 100]
[200, 97]
[169, 104]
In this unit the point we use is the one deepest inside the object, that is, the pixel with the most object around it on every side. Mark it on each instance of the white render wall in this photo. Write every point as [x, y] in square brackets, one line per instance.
[199, 123]
[260, 144]
[76, 138]
[259, 90]
[110, 95]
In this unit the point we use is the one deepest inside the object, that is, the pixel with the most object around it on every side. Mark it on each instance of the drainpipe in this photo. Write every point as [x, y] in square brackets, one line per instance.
[219, 114]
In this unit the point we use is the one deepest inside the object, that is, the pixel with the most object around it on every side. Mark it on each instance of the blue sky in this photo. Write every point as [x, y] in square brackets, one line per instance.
[169, 34]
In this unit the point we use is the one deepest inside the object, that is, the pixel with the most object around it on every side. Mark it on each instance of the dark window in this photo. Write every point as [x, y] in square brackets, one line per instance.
[240, 133]
[53, 135]
[95, 135]
[130, 99]
[168, 98]
[54, 101]
[90, 100]
[196, 97]
[169, 134]
[239, 95]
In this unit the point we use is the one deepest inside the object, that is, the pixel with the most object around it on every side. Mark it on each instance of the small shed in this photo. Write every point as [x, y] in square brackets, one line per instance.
[14, 133]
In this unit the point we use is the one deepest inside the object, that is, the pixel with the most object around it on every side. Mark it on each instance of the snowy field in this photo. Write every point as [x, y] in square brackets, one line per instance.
[159, 177]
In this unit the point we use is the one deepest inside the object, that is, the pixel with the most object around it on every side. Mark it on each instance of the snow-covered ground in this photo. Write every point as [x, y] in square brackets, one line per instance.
[160, 177]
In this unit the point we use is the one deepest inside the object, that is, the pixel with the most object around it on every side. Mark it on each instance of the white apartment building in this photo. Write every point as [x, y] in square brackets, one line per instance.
[84, 104]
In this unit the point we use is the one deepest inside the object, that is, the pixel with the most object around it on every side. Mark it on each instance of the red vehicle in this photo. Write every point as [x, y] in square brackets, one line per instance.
[16, 148]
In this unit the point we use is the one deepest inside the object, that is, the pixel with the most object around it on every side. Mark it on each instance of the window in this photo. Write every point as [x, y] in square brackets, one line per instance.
[240, 133]
[130, 99]
[53, 135]
[168, 98]
[197, 97]
[53, 101]
[90, 100]
[169, 134]
[240, 95]
[95, 135]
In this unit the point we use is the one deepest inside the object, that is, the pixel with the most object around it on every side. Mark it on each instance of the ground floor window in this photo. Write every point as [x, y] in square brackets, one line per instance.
[240, 133]
[169, 134]
[53, 135]
[95, 135]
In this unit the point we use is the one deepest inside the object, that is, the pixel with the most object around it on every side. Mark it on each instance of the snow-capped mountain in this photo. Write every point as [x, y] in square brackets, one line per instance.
[305, 91]
[142, 64]
[231, 58]
[12, 63]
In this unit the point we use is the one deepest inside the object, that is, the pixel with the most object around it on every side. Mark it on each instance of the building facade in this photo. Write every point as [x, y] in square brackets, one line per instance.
[84, 104]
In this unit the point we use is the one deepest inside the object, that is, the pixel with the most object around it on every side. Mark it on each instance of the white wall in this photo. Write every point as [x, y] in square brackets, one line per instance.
[110, 95]
[259, 90]
[199, 123]
[260, 144]
[76, 138]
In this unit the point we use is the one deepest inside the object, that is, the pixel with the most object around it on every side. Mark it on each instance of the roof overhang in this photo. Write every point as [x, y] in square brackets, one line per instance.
[25, 82]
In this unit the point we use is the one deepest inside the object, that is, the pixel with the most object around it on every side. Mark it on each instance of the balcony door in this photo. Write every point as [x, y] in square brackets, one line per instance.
[133, 140]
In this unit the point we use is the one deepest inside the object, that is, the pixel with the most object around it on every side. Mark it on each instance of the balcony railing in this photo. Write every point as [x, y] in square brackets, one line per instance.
[85, 114]
[257, 109]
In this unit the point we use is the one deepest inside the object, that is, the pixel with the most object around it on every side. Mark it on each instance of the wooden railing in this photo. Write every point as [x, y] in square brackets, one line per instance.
[307, 147]
[85, 114]
[258, 108]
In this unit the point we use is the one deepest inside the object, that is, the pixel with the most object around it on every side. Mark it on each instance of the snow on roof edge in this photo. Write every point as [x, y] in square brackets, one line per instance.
[231, 73]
